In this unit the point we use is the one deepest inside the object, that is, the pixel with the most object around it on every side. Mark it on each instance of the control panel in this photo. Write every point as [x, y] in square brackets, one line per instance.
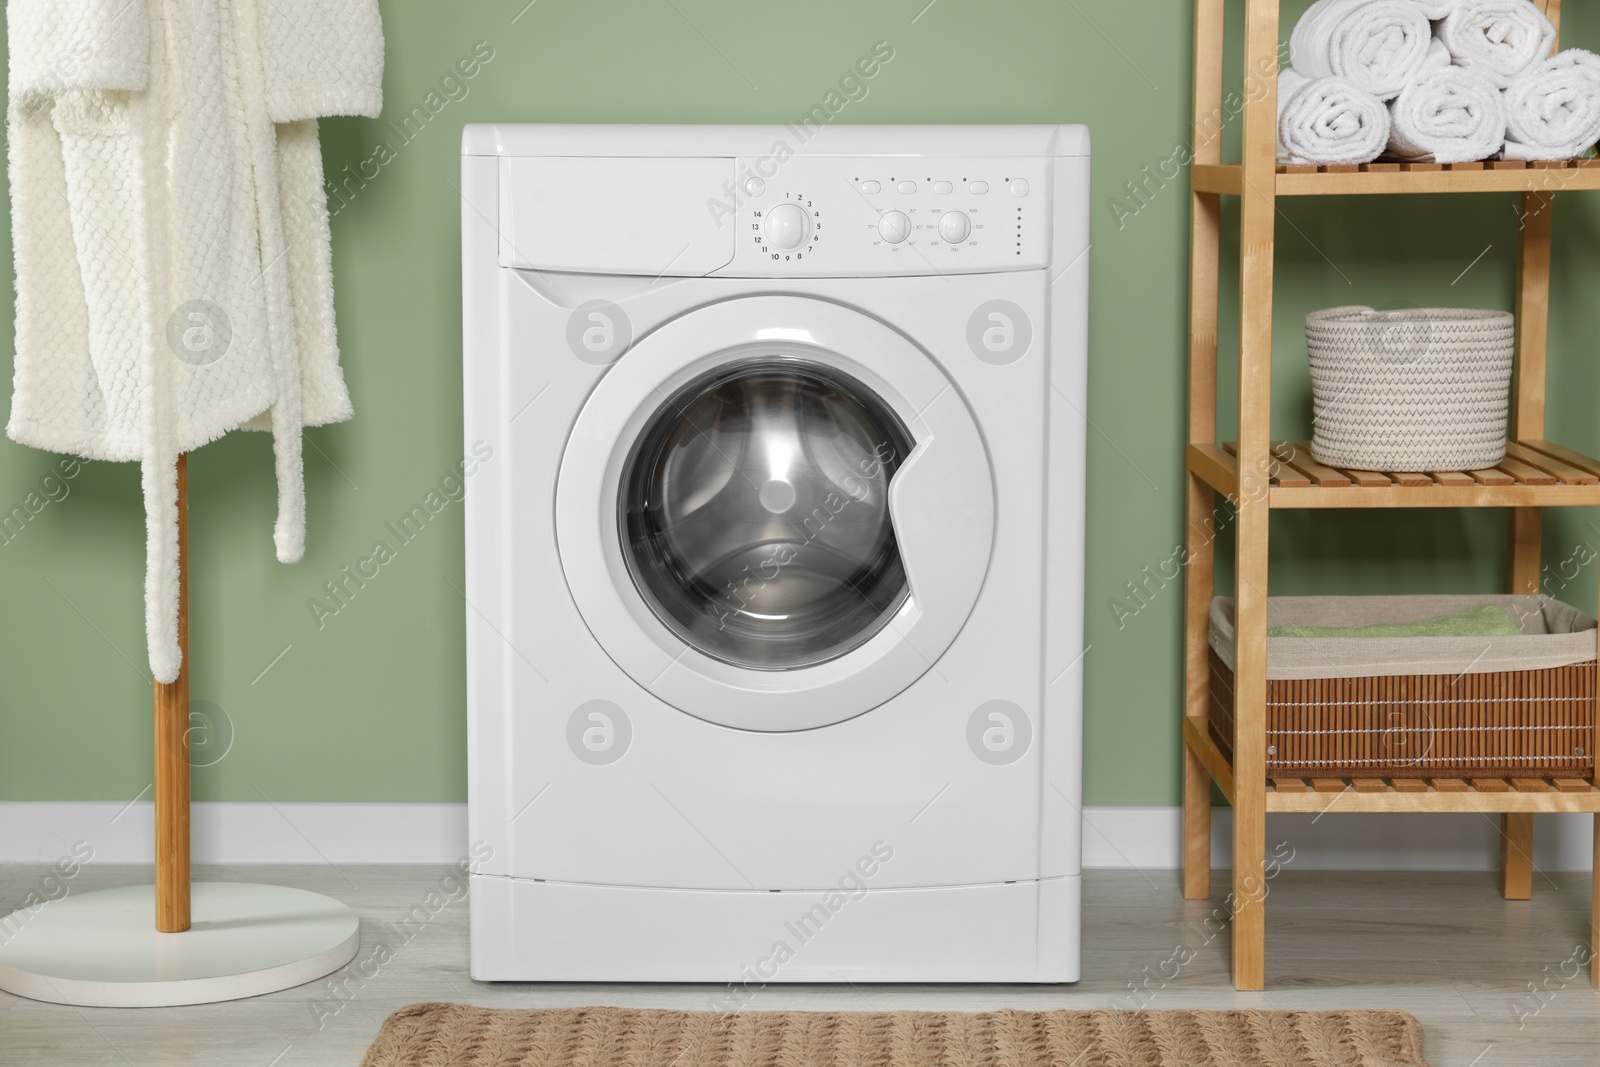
[887, 216]
[778, 215]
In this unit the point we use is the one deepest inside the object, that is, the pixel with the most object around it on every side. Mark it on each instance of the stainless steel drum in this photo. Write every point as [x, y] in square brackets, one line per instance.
[755, 513]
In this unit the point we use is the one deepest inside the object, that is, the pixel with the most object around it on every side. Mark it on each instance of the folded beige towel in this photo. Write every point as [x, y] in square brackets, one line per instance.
[1484, 621]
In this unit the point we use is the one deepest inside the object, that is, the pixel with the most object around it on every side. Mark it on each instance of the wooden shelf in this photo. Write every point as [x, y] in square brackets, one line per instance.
[1318, 795]
[1433, 794]
[1495, 176]
[1533, 474]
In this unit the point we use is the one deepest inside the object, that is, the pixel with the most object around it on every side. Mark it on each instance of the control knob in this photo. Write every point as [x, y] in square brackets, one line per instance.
[894, 226]
[788, 226]
[954, 226]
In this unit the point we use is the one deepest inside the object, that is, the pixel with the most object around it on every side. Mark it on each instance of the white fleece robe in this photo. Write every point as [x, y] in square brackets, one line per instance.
[174, 277]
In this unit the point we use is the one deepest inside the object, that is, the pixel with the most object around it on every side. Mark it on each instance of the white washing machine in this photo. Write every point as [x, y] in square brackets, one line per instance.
[775, 530]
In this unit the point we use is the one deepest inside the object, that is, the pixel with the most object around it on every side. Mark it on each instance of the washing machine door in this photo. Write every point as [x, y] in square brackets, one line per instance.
[775, 513]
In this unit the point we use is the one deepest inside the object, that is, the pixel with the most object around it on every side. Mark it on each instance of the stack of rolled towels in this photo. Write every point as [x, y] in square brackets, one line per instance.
[1439, 81]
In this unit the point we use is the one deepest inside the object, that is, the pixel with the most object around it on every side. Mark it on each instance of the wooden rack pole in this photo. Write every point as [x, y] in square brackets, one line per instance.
[1532, 305]
[1594, 905]
[172, 752]
[1527, 424]
[1206, 228]
[1257, 216]
[1552, 10]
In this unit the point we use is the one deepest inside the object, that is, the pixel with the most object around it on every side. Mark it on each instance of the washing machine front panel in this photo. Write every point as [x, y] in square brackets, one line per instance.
[775, 513]
[690, 803]
[695, 805]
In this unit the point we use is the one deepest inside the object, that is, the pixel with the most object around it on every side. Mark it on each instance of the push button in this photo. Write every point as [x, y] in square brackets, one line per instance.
[907, 188]
[870, 187]
[942, 187]
[1019, 187]
[978, 188]
[755, 186]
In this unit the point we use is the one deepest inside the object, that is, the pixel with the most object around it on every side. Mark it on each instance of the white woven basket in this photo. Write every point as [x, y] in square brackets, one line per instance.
[1420, 389]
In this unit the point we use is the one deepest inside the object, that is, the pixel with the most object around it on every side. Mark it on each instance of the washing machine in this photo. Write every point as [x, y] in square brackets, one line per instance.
[774, 551]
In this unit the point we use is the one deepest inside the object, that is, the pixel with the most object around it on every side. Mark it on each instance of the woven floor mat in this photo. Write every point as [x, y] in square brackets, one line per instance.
[459, 1035]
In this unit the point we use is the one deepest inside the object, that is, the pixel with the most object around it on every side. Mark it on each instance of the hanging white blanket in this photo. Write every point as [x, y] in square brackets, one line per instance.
[170, 226]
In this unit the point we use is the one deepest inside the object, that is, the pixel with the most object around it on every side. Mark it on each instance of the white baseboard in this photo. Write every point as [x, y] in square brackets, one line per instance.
[227, 832]
[1142, 838]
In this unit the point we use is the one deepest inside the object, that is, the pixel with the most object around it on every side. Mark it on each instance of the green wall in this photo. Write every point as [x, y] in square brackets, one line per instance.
[370, 705]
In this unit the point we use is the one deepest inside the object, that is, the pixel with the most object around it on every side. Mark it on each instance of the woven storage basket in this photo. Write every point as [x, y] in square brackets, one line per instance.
[1421, 389]
[1398, 715]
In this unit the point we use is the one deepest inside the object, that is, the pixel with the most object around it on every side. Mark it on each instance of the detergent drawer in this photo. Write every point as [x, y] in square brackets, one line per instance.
[615, 215]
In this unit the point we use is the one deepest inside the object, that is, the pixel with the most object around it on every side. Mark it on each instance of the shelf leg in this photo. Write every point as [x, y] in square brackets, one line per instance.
[1198, 590]
[1594, 909]
[1527, 525]
[1516, 828]
[1248, 900]
[1258, 220]
[1196, 828]
[1200, 582]
[1204, 517]
[1527, 533]
[1516, 855]
[1531, 303]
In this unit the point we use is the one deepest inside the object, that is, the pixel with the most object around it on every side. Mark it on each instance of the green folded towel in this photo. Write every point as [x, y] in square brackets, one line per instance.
[1487, 620]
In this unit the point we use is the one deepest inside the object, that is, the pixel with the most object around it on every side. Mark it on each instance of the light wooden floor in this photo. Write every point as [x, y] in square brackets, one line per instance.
[1444, 947]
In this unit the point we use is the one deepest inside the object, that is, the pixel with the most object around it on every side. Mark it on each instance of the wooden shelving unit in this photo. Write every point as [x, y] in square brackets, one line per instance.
[1258, 474]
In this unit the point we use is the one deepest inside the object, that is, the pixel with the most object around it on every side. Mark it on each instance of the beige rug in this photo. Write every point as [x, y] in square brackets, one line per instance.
[458, 1035]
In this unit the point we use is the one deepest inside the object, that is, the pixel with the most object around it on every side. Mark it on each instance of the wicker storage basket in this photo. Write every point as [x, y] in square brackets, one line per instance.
[1423, 389]
[1418, 707]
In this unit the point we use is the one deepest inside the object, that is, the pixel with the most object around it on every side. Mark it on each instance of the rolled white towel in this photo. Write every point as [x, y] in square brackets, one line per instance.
[1379, 45]
[1553, 108]
[1448, 115]
[1502, 38]
[1328, 120]
[1437, 9]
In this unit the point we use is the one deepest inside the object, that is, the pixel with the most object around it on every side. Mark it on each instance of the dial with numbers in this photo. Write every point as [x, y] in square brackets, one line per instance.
[787, 229]
[787, 226]
[894, 226]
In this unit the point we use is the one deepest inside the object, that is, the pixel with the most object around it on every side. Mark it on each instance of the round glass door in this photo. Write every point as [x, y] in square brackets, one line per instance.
[754, 513]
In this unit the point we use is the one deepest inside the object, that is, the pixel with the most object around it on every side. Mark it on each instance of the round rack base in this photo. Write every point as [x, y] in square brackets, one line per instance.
[102, 949]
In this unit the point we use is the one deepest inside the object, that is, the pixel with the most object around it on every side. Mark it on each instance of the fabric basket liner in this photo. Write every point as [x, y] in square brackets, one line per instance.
[1554, 635]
